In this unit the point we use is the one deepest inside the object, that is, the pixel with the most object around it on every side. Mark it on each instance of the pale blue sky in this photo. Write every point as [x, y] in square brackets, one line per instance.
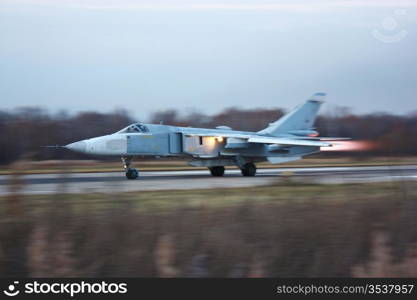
[147, 55]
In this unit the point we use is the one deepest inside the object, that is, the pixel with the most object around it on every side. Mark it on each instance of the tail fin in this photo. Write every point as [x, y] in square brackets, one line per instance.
[301, 118]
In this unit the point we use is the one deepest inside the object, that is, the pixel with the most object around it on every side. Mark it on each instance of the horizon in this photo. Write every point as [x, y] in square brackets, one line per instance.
[336, 111]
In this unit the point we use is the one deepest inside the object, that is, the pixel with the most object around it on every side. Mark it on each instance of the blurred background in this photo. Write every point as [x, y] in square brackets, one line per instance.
[25, 130]
[72, 70]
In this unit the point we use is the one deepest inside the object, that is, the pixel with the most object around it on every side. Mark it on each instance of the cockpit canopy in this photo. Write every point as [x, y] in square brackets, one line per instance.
[135, 128]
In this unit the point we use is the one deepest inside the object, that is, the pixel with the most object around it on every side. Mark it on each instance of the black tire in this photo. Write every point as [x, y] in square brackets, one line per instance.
[132, 174]
[248, 169]
[217, 171]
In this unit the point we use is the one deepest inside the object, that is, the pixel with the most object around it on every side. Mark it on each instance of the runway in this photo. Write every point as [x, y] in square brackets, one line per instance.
[114, 182]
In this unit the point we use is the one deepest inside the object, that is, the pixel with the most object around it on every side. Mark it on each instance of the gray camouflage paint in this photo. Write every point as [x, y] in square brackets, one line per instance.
[208, 147]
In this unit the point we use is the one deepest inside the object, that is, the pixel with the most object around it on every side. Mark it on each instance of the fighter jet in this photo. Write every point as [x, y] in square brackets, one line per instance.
[289, 138]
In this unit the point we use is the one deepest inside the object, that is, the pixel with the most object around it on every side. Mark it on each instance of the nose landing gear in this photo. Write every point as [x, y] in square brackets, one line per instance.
[131, 173]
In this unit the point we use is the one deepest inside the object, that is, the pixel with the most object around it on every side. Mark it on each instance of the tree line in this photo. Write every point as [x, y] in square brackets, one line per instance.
[23, 131]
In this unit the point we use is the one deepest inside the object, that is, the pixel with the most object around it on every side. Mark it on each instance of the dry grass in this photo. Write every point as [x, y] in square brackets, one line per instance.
[284, 230]
[383, 263]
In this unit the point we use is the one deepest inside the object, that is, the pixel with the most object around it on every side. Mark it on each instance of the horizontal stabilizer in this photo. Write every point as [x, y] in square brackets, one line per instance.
[287, 141]
[319, 138]
[334, 138]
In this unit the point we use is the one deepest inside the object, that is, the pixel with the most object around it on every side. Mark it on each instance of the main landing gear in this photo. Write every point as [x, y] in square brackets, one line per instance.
[248, 169]
[217, 171]
[131, 173]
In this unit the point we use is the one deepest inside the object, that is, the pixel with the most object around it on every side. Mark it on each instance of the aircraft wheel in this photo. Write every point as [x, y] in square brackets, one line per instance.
[132, 174]
[248, 169]
[217, 171]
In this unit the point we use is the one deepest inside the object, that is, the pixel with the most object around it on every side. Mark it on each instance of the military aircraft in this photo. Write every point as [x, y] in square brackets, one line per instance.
[289, 138]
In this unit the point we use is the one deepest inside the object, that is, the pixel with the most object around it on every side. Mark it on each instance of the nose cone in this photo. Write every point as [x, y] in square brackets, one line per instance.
[77, 146]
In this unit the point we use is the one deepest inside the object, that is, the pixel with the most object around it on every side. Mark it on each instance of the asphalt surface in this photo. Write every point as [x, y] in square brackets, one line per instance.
[114, 182]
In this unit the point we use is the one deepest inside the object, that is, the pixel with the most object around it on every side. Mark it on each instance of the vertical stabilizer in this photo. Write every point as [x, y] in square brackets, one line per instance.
[301, 118]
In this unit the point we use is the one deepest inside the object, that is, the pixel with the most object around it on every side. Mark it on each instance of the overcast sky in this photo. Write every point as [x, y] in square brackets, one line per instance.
[148, 55]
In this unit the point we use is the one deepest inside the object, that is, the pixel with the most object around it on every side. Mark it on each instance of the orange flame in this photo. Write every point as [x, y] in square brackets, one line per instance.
[350, 146]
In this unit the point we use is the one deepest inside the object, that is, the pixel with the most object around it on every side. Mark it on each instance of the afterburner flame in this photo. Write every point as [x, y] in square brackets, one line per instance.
[349, 146]
[210, 142]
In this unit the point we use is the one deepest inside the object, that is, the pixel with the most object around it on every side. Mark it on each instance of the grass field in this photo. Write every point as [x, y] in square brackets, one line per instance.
[31, 167]
[280, 230]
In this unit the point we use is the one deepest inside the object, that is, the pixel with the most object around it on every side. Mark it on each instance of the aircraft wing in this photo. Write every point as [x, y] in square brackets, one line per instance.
[225, 135]
[266, 139]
